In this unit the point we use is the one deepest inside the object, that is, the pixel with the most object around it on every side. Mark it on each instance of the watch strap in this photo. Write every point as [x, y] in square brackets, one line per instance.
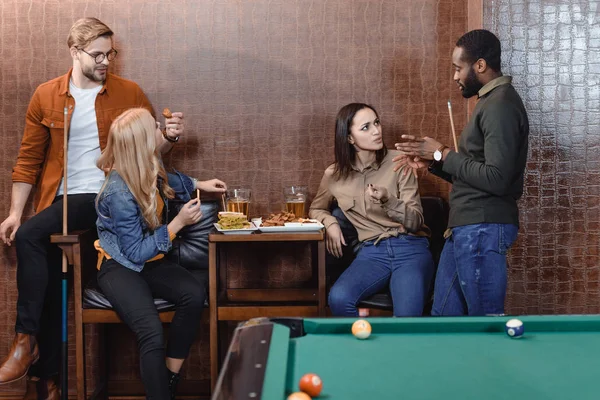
[164, 133]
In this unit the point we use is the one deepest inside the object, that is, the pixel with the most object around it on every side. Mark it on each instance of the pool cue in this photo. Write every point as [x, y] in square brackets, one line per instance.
[65, 265]
[452, 124]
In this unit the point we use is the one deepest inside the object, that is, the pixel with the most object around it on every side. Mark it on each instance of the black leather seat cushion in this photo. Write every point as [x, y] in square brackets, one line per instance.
[381, 301]
[93, 298]
[190, 250]
[435, 212]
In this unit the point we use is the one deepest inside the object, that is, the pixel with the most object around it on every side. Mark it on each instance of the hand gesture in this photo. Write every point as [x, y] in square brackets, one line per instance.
[418, 147]
[413, 164]
[190, 213]
[378, 194]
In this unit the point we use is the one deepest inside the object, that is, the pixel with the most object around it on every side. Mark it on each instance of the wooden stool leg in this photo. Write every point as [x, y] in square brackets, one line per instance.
[322, 277]
[80, 361]
[79, 327]
[214, 333]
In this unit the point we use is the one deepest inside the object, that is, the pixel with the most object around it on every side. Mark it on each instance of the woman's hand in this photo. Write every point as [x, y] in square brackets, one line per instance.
[334, 240]
[213, 185]
[378, 194]
[190, 213]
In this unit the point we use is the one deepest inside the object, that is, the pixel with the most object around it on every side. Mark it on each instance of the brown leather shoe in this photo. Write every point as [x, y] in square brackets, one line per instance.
[23, 352]
[42, 389]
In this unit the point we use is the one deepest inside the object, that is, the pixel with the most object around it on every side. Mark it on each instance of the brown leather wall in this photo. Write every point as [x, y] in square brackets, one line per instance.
[260, 83]
[550, 48]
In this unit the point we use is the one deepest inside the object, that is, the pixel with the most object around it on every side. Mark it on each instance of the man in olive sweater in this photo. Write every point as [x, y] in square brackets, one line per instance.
[486, 172]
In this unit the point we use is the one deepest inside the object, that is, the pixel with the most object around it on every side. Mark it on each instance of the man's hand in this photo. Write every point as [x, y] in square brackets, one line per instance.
[413, 164]
[174, 125]
[417, 147]
[213, 185]
[8, 229]
[378, 194]
[334, 240]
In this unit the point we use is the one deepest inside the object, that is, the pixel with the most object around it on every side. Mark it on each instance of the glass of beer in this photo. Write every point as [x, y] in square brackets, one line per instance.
[238, 200]
[295, 199]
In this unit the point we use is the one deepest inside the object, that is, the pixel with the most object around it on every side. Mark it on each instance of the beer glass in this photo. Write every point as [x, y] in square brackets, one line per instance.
[238, 200]
[295, 200]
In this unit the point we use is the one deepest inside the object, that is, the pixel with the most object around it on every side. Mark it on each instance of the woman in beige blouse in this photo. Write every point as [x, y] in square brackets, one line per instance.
[385, 208]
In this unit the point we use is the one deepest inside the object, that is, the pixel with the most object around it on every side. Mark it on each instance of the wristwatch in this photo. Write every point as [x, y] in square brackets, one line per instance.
[164, 132]
[439, 153]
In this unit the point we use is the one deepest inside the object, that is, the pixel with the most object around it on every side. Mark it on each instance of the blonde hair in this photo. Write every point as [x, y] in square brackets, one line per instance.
[85, 31]
[131, 149]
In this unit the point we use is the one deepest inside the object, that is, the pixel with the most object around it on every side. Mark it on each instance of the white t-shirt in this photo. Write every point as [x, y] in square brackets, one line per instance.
[83, 145]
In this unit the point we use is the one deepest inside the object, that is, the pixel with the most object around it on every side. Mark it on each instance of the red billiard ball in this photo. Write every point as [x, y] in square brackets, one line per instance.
[311, 384]
[298, 396]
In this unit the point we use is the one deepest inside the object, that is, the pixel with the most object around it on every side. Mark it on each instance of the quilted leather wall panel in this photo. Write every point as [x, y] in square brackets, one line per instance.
[551, 49]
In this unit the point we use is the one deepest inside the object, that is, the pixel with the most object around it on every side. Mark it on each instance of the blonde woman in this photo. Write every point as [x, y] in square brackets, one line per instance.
[133, 238]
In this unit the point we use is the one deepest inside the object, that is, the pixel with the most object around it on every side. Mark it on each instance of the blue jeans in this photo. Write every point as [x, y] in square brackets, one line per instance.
[471, 275]
[404, 263]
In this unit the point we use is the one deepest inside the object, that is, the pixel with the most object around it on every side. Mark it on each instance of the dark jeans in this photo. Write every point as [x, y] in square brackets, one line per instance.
[403, 263]
[39, 265]
[132, 296]
[471, 277]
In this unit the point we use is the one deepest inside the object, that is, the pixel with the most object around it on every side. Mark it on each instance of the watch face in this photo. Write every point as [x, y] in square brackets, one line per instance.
[437, 155]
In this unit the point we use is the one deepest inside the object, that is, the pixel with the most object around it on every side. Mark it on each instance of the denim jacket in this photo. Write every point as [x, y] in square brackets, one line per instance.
[122, 231]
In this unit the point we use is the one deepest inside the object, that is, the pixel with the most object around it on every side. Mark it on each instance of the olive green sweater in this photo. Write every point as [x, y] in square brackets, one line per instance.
[487, 171]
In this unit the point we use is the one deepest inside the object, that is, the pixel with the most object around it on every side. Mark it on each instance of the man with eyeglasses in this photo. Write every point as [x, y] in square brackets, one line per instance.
[93, 99]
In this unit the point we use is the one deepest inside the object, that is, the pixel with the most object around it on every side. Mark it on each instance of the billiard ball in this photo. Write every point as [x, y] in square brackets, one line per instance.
[514, 328]
[298, 396]
[361, 329]
[311, 384]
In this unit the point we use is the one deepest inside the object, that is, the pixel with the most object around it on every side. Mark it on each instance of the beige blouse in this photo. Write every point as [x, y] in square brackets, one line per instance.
[401, 214]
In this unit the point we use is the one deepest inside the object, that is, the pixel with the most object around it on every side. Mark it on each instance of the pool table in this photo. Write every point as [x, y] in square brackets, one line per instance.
[558, 357]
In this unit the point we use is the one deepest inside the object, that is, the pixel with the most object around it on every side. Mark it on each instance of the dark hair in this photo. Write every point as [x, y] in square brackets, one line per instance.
[344, 151]
[481, 43]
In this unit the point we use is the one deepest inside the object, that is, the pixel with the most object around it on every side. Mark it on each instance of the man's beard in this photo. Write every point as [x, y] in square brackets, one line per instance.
[471, 86]
[89, 73]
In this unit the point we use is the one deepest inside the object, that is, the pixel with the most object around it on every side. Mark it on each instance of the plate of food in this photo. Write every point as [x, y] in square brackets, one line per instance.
[287, 222]
[233, 223]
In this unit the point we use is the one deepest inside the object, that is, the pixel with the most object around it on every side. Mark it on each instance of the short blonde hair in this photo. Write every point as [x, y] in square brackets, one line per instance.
[85, 31]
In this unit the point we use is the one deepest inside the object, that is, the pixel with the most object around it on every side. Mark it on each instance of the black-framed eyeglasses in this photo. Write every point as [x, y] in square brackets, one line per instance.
[112, 53]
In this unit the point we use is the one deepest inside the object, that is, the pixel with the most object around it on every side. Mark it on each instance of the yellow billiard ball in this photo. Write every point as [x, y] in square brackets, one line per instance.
[298, 396]
[361, 329]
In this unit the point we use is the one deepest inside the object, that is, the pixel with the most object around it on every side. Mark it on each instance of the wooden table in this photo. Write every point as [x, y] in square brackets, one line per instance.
[228, 304]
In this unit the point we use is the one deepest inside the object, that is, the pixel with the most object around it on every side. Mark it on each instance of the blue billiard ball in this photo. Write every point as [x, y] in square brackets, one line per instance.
[514, 328]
